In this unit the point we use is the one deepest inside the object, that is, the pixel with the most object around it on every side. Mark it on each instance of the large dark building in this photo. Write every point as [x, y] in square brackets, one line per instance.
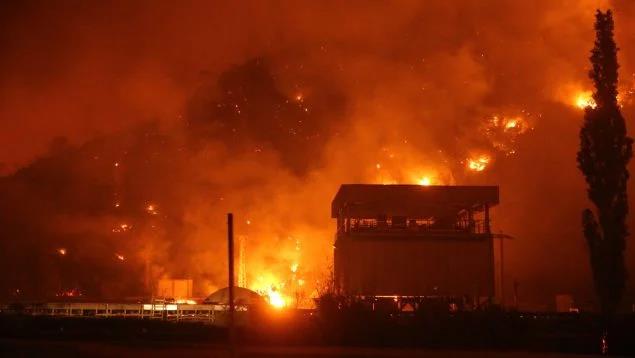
[413, 240]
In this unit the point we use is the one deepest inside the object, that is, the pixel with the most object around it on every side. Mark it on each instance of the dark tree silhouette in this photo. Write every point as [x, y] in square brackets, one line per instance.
[605, 151]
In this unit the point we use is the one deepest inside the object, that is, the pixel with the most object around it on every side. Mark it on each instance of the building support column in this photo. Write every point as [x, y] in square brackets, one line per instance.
[487, 227]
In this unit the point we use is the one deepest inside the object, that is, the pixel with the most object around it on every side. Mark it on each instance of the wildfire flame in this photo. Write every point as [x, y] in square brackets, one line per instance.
[503, 132]
[268, 285]
[585, 99]
[516, 123]
[425, 181]
[284, 283]
[275, 299]
[479, 163]
[511, 123]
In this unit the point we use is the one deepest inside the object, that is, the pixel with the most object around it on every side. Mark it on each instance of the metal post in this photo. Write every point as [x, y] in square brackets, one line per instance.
[515, 294]
[502, 272]
[230, 279]
[487, 225]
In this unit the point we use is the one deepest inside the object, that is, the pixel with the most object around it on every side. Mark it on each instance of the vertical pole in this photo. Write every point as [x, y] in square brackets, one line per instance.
[502, 272]
[487, 226]
[230, 278]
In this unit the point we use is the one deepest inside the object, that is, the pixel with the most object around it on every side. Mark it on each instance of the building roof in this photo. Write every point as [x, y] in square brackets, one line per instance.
[242, 296]
[369, 200]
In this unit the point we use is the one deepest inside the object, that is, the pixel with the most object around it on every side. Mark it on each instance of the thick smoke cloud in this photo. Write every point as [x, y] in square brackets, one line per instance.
[263, 109]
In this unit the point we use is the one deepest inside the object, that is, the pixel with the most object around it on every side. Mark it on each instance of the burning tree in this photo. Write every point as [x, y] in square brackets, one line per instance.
[605, 150]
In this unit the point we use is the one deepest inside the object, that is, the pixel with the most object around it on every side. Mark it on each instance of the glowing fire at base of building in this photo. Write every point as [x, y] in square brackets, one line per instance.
[271, 288]
[425, 181]
[275, 299]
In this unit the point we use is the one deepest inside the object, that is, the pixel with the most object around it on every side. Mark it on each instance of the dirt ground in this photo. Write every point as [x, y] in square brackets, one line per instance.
[39, 348]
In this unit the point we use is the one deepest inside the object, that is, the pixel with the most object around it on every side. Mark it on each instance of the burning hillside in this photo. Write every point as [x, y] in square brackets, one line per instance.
[135, 140]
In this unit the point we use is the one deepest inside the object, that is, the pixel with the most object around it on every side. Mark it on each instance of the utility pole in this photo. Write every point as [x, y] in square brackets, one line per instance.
[230, 280]
[502, 273]
[516, 294]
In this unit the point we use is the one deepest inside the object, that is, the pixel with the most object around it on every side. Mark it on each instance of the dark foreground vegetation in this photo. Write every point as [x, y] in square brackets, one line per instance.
[473, 331]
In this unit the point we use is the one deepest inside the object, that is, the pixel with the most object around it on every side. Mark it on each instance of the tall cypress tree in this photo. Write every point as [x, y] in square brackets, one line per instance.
[605, 150]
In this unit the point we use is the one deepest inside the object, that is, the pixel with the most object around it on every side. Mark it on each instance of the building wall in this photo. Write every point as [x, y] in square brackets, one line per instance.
[179, 289]
[407, 266]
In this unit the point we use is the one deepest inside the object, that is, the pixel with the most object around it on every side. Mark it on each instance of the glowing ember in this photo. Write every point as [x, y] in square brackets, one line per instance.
[299, 97]
[61, 251]
[478, 164]
[120, 257]
[123, 227]
[74, 292]
[294, 267]
[378, 166]
[584, 100]
[151, 209]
